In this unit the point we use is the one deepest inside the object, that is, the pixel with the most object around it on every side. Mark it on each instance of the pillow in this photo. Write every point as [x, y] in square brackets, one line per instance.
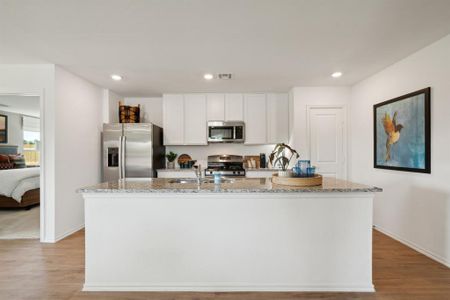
[6, 165]
[4, 158]
[18, 160]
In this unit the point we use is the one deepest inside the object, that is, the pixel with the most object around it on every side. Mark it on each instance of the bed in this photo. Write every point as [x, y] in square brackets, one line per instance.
[19, 187]
[29, 199]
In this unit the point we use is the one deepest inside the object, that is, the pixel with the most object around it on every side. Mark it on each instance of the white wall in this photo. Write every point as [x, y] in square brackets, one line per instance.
[71, 118]
[151, 109]
[300, 99]
[78, 146]
[15, 132]
[38, 80]
[113, 105]
[414, 208]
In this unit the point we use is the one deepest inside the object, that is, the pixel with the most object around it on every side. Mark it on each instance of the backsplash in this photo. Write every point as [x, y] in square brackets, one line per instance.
[200, 153]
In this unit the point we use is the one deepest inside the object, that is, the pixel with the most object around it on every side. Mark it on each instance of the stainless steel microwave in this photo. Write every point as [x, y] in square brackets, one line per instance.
[226, 132]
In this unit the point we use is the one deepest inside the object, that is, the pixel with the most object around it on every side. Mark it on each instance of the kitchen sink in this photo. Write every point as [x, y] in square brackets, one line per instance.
[203, 180]
[183, 180]
[223, 180]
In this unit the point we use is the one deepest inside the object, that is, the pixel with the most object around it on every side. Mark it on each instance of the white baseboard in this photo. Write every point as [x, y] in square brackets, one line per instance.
[414, 246]
[218, 287]
[69, 232]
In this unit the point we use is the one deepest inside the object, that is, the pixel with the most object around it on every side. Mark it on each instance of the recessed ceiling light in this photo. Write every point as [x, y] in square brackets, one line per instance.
[208, 76]
[336, 74]
[116, 77]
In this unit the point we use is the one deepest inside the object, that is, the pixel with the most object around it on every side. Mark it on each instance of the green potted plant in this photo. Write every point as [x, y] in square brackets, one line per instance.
[281, 156]
[171, 160]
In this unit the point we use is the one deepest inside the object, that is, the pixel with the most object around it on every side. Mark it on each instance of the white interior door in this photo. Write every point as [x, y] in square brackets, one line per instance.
[327, 140]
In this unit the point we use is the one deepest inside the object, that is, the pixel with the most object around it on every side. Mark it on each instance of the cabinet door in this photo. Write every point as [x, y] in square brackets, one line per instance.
[215, 107]
[277, 118]
[195, 119]
[234, 107]
[173, 119]
[255, 117]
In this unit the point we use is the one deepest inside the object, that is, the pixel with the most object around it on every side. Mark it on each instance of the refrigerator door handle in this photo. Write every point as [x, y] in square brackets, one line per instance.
[123, 146]
[120, 157]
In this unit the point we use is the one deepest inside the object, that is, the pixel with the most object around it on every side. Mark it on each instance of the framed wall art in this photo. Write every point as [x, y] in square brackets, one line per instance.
[3, 129]
[402, 133]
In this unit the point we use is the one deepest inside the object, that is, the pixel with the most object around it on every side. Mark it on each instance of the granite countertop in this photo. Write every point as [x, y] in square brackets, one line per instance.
[239, 185]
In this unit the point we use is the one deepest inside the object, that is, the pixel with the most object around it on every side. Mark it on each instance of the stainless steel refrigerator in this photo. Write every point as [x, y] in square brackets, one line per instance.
[132, 150]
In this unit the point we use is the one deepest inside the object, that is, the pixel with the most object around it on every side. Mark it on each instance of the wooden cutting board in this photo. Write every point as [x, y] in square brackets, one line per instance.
[183, 158]
[247, 159]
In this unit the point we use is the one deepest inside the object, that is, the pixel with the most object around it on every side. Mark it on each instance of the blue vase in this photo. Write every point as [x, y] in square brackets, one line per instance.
[296, 171]
[303, 165]
[311, 171]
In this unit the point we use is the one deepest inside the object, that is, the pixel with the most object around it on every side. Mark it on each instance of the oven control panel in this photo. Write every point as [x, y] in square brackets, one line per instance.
[210, 172]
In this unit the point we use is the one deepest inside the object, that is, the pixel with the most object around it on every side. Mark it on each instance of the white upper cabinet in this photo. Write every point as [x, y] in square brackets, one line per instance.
[184, 119]
[277, 118]
[185, 116]
[255, 117]
[215, 107]
[225, 107]
[234, 107]
[195, 119]
[173, 119]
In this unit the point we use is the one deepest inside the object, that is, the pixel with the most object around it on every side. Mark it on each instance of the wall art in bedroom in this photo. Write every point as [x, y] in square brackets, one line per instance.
[3, 129]
[402, 133]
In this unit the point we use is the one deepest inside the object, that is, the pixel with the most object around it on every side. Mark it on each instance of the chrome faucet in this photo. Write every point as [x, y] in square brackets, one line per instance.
[198, 173]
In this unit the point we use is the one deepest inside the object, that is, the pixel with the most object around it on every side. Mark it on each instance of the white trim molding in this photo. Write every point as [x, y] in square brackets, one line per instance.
[45, 214]
[414, 246]
[67, 233]
[221, 287]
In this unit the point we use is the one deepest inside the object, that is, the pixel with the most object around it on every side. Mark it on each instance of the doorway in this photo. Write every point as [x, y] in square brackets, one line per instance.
[20, 166]
[327, 139]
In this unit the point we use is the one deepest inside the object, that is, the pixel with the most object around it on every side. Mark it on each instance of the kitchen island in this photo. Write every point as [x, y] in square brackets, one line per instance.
[244, 235]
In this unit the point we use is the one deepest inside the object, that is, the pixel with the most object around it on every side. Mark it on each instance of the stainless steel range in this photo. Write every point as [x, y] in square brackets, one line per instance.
[226, 165]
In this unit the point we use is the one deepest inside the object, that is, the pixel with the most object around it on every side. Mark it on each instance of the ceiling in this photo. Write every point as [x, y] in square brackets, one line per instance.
[167, 46]
[25, 105]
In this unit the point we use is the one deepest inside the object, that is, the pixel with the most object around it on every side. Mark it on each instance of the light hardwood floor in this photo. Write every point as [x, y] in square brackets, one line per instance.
[31, 270]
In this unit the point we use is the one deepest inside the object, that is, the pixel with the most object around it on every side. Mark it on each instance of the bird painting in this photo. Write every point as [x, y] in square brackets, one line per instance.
[392, 130]
[401, 128]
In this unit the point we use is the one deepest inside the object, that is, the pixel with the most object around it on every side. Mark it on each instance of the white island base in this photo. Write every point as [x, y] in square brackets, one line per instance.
[229, 241]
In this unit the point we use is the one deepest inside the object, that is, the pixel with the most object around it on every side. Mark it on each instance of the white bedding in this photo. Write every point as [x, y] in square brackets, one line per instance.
[16, 182]
[24, 186]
